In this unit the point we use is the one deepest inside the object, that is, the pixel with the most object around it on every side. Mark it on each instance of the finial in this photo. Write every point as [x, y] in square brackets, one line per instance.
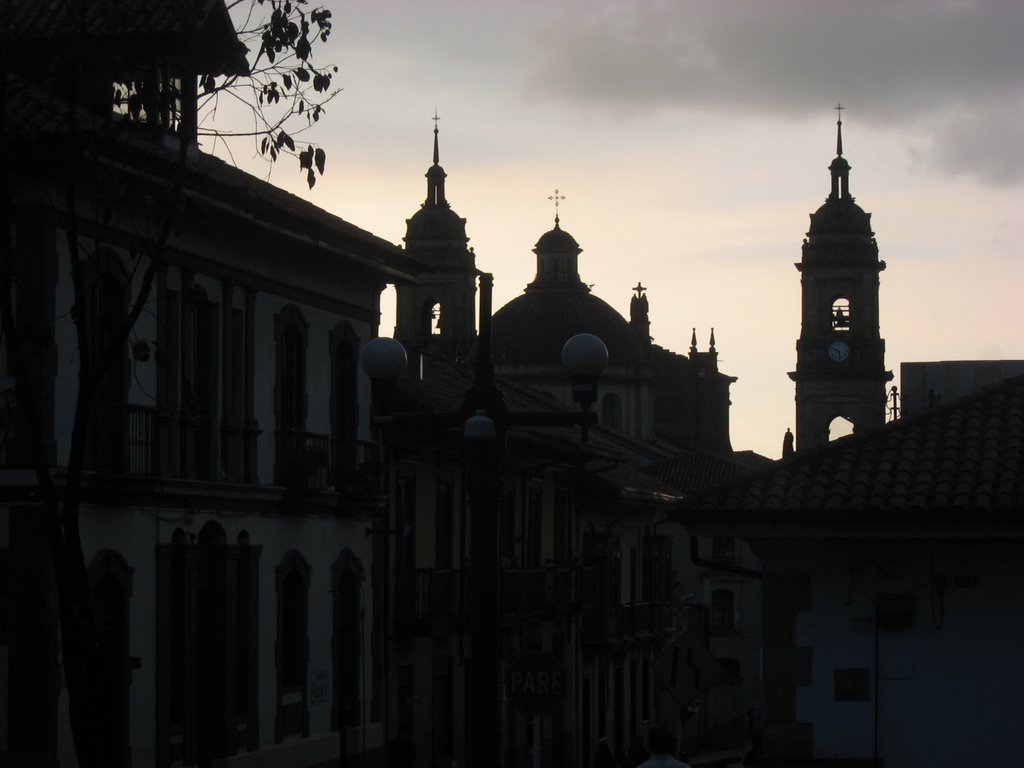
[711, 348]
[437, 156]
[639, 289]
[839, 130]
[557, 198]
[693, 342]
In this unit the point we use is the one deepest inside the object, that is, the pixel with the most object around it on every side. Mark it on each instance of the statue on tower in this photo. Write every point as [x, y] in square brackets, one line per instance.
[639, 314]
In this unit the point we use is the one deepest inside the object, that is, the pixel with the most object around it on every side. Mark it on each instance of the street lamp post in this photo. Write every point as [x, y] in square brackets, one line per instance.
[485, 420]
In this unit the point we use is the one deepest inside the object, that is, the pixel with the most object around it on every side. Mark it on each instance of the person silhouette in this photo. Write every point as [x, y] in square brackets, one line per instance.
[787, 444]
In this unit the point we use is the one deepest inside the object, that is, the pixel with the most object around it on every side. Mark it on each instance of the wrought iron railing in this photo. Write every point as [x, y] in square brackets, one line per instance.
[123, 440]
[302, 460]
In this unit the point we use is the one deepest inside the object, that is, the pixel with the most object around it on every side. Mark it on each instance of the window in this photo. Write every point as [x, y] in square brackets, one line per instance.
[292, 644]
[841, 314]
[840, 426]
[435, 320]
[444, 525]
[111, 592]
[104, 282]
[246, 640]
[562, 523]
[346, 578]
[292, 337]
[299, 459]
[722, 610]
[535, 512]
[198, 385]
[344, 399]
[444, 706]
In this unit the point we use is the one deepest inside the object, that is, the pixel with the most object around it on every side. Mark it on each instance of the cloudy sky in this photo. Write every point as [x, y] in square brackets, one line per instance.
[691, 141]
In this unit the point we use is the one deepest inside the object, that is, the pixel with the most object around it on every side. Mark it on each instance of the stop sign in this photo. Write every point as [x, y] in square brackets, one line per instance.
[536, 682]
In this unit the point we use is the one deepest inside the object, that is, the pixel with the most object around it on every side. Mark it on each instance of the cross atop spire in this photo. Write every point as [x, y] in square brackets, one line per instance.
[557, 198]
[639, 288]
[437, 156]
[839, 129]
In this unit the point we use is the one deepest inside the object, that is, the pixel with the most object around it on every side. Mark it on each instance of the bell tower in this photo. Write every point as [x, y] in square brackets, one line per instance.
[438, 312]
[840, 355]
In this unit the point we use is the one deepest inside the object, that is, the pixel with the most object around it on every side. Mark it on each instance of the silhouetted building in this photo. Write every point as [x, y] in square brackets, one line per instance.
[891, 571]
[647, 392]
[840, 368]
[227, 484]
[437, 311]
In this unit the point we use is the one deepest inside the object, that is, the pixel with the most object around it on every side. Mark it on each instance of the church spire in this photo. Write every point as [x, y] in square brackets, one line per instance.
[436, 175]
[437, 154]
[840, 168]
[839, 131]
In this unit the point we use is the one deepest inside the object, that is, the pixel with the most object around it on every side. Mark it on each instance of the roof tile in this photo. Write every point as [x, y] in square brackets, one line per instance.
[963, 455]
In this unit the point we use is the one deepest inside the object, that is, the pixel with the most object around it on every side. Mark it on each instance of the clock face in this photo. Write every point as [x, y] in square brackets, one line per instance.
[838, 351]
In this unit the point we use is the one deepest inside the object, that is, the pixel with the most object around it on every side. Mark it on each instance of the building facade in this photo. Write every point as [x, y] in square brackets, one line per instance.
[227, 478]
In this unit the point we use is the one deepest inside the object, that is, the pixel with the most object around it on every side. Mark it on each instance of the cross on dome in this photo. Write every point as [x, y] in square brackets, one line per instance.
[557, 198]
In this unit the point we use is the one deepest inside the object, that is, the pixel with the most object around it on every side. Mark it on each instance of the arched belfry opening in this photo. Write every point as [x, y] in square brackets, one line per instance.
[841, 318]
[840, 426]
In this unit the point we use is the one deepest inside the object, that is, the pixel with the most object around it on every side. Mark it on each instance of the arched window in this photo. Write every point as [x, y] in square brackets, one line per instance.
[841, 318]
[293, 576]
[292, 337]
[246, 640]
[723, 617]
[292, 333]
[611, 410]
[840, 426]
[111, 592]
[346, 580]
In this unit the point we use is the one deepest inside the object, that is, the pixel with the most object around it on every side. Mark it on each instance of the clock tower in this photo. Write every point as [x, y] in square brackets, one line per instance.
[840, 355]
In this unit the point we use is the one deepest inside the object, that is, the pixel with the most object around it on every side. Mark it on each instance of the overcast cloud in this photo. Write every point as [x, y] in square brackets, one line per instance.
[952, 70]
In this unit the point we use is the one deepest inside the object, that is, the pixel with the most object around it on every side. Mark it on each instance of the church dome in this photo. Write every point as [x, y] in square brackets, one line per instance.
[557, 239]
[531, 329]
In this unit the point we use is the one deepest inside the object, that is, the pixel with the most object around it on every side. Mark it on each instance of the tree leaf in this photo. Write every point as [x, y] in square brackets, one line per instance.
[321, 160]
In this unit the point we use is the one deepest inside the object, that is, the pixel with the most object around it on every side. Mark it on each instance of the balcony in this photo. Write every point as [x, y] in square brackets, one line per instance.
[427, 601]
[302, 460]
[356, 466]
[123, 441]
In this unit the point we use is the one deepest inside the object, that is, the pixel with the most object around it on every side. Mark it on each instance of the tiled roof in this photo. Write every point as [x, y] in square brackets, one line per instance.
[968, 455]
[695, 471]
